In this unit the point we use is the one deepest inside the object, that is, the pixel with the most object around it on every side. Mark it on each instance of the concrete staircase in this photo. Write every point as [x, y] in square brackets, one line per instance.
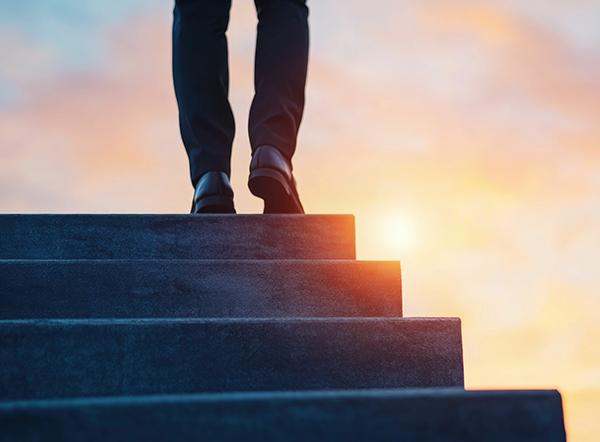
[229, 327]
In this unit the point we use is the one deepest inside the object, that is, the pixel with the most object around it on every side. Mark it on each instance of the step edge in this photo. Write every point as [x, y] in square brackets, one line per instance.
[230, 396]
[345, 261]
[200, 321]
[176, 215]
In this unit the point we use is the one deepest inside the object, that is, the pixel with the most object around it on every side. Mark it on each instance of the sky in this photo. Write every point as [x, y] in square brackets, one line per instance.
[463, 135]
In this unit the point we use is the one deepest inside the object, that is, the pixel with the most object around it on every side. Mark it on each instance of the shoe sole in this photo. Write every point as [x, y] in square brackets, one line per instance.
[273, 187]
[214, 204]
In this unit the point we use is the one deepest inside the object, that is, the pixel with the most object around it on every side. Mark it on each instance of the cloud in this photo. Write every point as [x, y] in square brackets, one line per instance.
[84, 136]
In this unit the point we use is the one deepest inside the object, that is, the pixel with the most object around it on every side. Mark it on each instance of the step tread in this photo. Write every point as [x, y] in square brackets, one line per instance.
[58, 236]
[198, 288]
[90, 357]
[426, 415]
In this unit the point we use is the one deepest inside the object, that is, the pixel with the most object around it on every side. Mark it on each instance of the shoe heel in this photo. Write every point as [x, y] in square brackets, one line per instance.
[269, 184]
[214, 204]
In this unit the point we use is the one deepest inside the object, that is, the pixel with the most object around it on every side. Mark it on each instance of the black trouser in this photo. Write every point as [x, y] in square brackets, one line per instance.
[201, 76]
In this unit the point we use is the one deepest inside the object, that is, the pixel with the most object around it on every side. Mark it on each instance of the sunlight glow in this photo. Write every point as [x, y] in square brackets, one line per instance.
[399, 233]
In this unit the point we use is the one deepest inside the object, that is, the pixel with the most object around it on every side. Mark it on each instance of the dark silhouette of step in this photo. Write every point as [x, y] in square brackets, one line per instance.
[177, 237]
[448, 415]
[224, 327]
[70, 358]
[198, 288]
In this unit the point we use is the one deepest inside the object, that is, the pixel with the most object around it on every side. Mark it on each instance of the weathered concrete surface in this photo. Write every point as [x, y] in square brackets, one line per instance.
[450, 415]
[198, 288]
[177, 236]
[70, 358]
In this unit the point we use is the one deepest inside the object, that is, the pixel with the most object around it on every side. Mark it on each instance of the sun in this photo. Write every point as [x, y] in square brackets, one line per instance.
[399, 233]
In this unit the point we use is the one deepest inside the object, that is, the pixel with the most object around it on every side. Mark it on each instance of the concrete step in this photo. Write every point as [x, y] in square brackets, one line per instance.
[70, 358]
[177, 236]
[198, 288]
[450, 415]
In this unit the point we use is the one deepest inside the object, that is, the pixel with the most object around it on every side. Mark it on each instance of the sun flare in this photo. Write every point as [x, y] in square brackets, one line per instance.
[398, 233]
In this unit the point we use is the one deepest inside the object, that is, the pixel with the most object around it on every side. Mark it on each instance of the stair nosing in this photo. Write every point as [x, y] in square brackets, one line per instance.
[230, 396]
[211, 320]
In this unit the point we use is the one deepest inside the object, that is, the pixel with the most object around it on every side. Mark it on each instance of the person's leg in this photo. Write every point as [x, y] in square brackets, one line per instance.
[280, 74]
[201, 77]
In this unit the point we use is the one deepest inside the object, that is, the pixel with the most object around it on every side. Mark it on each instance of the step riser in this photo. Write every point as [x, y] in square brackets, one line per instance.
[385, 416]
[44, 359]
[177, 237]
[145, 289]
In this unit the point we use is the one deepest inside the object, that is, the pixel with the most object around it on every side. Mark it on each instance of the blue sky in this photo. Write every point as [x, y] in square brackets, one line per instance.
[70, 33]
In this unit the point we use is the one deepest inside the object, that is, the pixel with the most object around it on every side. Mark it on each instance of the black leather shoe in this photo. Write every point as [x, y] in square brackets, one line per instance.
[272, 180]
[213, 194]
